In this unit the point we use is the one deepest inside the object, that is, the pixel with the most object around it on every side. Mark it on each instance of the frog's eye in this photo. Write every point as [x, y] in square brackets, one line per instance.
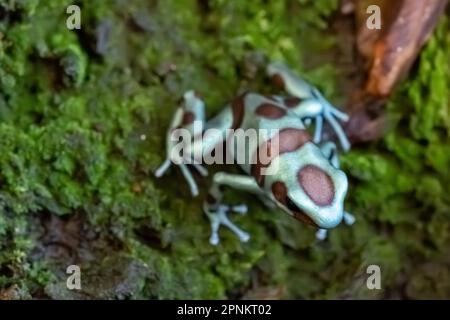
[279, 191]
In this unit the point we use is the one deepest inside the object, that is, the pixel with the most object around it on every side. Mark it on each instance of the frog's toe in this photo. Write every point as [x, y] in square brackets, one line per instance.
[189, 179]
[214, 239]
[162, 168]
[349, 219]
[321, 234]
[241, 208]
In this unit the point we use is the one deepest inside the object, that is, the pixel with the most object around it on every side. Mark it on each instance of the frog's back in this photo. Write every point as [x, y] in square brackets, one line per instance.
[257, 120]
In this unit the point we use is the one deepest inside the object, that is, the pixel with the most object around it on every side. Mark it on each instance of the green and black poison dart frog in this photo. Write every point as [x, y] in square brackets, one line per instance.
[307, 183]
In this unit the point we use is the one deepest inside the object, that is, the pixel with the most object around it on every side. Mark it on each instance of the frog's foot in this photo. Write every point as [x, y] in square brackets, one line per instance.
[218, 215]
[330, 116]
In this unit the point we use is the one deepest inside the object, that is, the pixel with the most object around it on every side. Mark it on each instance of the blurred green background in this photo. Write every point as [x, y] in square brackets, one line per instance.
[83, 116]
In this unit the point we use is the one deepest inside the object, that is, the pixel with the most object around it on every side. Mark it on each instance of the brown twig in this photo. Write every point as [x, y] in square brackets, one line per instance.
[389, 53]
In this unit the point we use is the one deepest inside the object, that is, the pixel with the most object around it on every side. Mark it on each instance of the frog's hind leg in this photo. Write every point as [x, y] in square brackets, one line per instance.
[190, 116]
[308, 103]
[330, 113]
[217, 212]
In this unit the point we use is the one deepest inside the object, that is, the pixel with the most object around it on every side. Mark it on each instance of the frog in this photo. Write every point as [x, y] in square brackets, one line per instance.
[302, 177]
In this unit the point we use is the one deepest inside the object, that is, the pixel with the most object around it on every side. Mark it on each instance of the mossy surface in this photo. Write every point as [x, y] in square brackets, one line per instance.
[83, 116]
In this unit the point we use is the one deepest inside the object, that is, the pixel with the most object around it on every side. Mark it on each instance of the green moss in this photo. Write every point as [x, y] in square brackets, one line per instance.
[402, 183]
[83, 116]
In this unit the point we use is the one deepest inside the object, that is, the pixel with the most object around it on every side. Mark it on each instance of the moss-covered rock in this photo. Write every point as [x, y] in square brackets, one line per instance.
[83, 115]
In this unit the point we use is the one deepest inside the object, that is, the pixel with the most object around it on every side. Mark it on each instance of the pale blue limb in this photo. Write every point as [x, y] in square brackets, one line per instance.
[297, 87]
[338, 130]
[240, 208]
[176, 120]
[217, 211]
[339, 114]
[329, 113]
[242, 235]
[190, 180]
[219, 217]
[163, 168]
[349, 219]
[318, 129]
[194, 105]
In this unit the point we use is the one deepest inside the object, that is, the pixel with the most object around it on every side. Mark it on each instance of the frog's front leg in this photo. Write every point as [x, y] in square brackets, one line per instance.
[217, 211]
[308, 103]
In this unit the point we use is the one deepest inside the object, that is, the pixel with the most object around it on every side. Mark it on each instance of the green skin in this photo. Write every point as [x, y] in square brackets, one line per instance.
[303, 178]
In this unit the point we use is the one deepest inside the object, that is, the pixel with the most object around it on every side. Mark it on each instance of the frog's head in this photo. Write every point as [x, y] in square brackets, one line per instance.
[308, 186]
